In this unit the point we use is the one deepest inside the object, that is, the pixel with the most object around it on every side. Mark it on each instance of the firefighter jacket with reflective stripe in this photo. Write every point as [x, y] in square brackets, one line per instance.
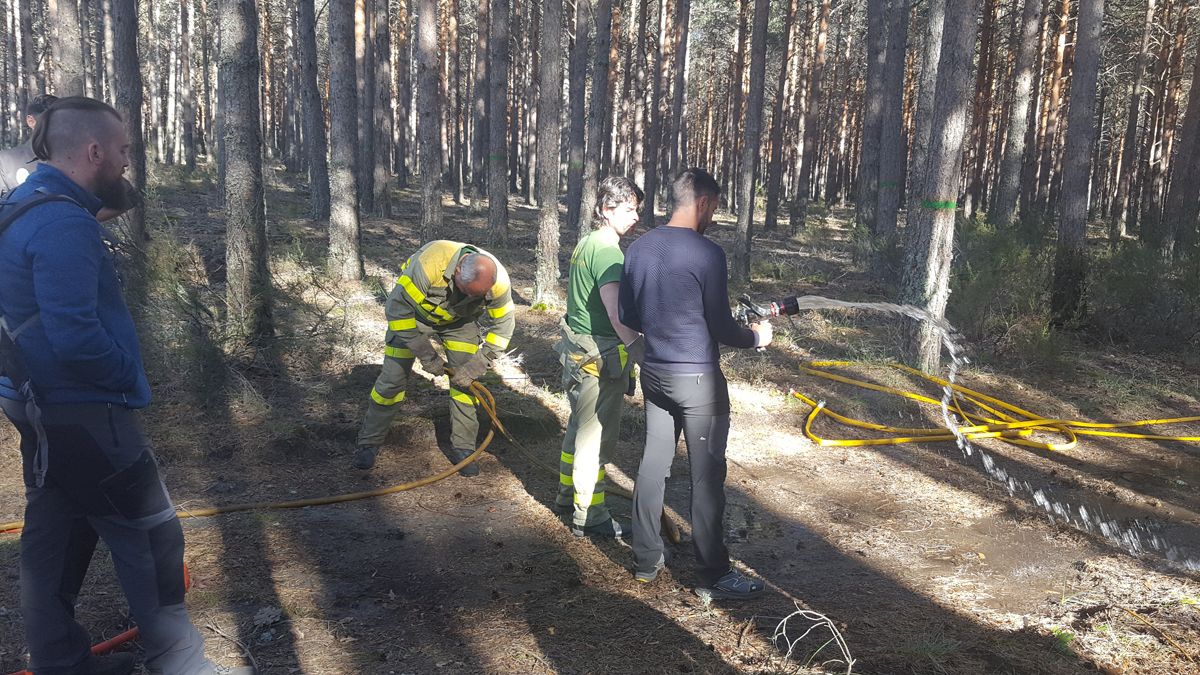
[427, 294]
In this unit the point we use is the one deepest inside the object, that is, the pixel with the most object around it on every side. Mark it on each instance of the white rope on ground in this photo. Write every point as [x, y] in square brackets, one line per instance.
[817, 620]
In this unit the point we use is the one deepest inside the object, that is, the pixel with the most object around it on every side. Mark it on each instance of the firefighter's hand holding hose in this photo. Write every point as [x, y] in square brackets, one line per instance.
[465, 375]
[430, 361]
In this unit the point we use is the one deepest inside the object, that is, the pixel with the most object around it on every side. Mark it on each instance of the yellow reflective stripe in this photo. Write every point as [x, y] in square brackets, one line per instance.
[398, 352]
[597, 498]
[566, 459]
[382, 400]
[415, 293]
[497, 340]
[456, 346]
[565, 479]
[461, 397]
[624, 355]
[498, 312]
[402, 324]
[600, 476]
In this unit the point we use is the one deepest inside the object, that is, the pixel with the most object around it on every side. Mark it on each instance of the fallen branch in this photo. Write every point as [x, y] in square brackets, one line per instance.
[1161, 632]
[818, 620]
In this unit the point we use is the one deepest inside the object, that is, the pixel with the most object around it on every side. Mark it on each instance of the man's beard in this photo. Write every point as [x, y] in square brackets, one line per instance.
[116, 194]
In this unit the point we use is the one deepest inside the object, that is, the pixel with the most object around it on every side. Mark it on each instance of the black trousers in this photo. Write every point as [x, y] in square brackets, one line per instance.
[697, 405]
[102, 483]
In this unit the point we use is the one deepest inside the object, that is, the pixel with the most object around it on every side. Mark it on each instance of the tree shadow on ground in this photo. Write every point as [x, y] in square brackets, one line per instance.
[889, 627]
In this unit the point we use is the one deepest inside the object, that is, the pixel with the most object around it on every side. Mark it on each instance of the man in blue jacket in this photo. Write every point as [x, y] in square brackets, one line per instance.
[88, 467]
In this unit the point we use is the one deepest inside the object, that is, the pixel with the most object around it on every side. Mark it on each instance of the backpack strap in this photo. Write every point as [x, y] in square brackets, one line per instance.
[9, 212]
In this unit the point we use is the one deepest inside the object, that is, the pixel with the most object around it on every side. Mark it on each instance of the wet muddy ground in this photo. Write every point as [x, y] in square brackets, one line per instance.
[923, 562]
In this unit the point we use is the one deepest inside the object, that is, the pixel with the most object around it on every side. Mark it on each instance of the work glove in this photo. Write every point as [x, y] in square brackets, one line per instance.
[430, 361]
[636, 350]
[466, 374]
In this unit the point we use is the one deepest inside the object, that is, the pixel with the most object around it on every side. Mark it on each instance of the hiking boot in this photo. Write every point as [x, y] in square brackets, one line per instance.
[733, 586]
[121, 663]
[456, 455]
[647, 577]
[364, 456]
[563, 508]
[611, 528]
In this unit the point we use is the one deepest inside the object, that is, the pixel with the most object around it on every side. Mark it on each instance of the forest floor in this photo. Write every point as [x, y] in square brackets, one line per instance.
[923, 562]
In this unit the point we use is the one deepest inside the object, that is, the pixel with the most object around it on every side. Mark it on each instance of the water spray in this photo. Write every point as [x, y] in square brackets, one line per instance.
[1136, 538]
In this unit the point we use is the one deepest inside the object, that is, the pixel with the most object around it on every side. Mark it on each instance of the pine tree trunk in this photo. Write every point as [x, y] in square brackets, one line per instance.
[66, 44]
[515, 77]
[402, 65]
[640, 107]
[364, 47]
[577, 83]
[479, 109]
[775, 163]
[596, 116]
[429, 107]
[267, 91]
[930, 57]
[891, 139]
[208, 135]
[86, 35]
[807, 155]
[187, 89]
[345, 255]
[314, 113]
[498, 129]
[1129, 147]
[454, 103]
[530, 107]
[1004, 207]
[248, 287]
[28, 57]
[384, 116]
[733, 131]
[930, 232]
[867, 192]
[675, 121]
[545, 283]
[1183, 205]
[156, 128]
[654, 126]
[1050, 131]
[127, 99]
[608, 157]
[981, 115]
[1070, 260]
[753, 141]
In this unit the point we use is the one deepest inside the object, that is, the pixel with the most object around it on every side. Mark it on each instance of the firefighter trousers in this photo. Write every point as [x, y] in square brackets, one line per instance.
[461, 343]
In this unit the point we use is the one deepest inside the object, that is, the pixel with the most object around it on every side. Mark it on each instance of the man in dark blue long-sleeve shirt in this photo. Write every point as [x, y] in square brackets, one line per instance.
[674, 291]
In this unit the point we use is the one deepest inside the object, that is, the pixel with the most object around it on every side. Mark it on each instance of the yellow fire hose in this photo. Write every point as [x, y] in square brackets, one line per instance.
[991, 417]
[486, 401]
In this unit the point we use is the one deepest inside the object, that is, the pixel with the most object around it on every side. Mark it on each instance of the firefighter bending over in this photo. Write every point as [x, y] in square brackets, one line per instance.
[460, 295]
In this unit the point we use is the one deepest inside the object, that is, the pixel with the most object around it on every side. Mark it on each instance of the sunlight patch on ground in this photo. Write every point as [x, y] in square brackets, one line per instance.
[745, 398]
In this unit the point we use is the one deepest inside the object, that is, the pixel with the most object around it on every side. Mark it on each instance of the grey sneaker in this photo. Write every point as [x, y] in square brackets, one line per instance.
[611, 528]
[364, 456]
[647, 577]
[733, 586]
